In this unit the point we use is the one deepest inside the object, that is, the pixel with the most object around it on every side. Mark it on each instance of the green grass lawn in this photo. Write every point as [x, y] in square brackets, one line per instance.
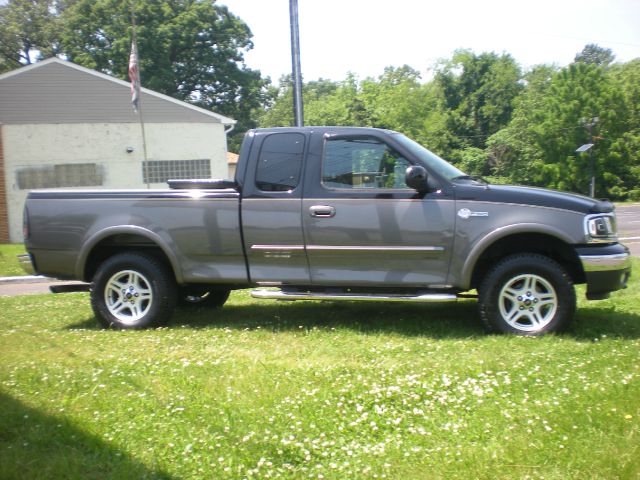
[9, 266]
[317, 390]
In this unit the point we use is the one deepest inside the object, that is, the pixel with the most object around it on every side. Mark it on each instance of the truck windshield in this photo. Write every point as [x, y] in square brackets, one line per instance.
[432, 161]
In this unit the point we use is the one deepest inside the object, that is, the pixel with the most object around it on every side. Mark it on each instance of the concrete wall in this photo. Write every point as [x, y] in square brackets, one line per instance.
[39, 145]
[4, 211]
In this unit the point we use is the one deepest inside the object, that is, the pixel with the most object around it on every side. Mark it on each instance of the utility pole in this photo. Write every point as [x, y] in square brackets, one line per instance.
[295, 61]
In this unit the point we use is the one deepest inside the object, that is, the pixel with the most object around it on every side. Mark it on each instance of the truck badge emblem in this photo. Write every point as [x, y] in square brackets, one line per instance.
[465, 214]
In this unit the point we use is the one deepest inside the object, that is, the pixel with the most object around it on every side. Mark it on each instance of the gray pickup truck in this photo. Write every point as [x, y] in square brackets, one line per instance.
[334, 213]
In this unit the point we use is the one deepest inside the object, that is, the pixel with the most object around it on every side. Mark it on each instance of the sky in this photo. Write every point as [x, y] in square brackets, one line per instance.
[365, 36]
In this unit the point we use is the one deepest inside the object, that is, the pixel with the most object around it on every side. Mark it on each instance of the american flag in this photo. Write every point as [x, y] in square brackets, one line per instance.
[134, 76]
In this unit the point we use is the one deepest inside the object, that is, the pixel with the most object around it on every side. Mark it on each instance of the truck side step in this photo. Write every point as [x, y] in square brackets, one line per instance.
[425, 297]
[70, 288]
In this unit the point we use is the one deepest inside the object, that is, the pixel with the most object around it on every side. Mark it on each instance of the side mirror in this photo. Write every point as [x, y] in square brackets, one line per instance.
[416, 177]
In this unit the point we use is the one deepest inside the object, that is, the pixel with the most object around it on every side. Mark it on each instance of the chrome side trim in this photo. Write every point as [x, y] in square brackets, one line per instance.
[349, 248]
[420, 298]
[366, 248]
[272, 248]
[605, 263]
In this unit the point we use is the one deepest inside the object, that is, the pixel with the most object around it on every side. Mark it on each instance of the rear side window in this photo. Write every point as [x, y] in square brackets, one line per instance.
[280, 162]
[362, 163]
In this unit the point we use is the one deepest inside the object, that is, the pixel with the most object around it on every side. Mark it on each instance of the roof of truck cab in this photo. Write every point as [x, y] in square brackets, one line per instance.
[324, 129]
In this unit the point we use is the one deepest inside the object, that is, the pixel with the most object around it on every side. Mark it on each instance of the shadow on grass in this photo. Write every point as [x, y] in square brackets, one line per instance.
[438, 320]
[35, 445]
[434, 320]
[596, 322]
[452, 320]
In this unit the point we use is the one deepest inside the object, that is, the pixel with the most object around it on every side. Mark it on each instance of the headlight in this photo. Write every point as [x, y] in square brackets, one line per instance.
[600, 228]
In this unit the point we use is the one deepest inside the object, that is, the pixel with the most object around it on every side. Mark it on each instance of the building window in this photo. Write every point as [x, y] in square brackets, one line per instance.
[60, 176]
[159, 171]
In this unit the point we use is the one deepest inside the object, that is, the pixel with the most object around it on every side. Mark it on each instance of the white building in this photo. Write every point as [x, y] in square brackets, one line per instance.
[66, 126]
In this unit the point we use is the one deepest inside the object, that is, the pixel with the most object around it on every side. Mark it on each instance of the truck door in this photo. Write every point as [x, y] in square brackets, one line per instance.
[365, 227]
[271, 209]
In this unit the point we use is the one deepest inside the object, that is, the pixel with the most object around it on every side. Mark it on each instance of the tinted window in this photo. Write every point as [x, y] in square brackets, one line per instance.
[362, 163]
[280, 162]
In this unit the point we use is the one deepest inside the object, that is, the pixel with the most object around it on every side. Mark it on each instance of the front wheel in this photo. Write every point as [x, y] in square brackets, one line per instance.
[133, 290]
[527, 294]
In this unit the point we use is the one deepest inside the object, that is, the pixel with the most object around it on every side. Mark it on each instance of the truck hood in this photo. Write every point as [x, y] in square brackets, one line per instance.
[540, 197]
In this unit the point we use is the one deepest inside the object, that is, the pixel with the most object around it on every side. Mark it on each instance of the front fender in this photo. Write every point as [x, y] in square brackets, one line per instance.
[492, 237]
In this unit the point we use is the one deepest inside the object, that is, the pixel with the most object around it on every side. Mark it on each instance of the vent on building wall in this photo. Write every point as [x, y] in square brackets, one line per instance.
[159, 171]
[60, 176]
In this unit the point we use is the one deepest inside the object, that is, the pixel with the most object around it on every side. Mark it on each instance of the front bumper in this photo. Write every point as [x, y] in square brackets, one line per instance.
[606, 267]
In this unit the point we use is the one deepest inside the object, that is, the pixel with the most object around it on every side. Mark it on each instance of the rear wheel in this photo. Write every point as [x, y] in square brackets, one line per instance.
[527, 294]
[133, 290]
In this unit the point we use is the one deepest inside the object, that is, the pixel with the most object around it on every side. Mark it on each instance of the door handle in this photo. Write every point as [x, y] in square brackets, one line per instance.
[322, 211]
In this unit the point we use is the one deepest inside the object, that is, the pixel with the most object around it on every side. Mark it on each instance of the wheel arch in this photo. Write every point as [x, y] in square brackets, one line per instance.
[113, 240]
[525, 239]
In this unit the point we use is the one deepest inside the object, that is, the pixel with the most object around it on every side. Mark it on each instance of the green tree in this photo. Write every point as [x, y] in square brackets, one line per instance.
[578, 93]
[594, 55]
[473, 160]
[322, 104]
[513, 153]
[325, 103]
[29, 31]
[6, 65]
[623, 151]
[549, 123]
[479, 93]
[395, 100]
[534, 122]
[627, 76]
[192, 50]
[279, 112]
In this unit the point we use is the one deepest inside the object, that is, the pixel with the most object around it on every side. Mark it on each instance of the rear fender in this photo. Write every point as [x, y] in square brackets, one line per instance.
[89, 246]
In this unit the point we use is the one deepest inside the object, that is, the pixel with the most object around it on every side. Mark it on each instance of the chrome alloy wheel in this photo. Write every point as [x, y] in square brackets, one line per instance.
[128, 296]
[528, 302]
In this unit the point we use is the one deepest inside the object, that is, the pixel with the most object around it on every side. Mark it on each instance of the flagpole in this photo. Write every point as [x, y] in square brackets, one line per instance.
[137, 106]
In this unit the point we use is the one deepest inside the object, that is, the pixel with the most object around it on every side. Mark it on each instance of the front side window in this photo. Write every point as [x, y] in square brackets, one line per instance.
[280, 162]
[362, 163]
[429, 159]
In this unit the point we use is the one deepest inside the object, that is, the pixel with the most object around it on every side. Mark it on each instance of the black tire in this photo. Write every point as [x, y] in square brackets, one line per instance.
[526, 294]
[133, 290]
[203, 296]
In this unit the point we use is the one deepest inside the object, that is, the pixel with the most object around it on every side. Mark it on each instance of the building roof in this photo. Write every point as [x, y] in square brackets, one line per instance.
[57, 91]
